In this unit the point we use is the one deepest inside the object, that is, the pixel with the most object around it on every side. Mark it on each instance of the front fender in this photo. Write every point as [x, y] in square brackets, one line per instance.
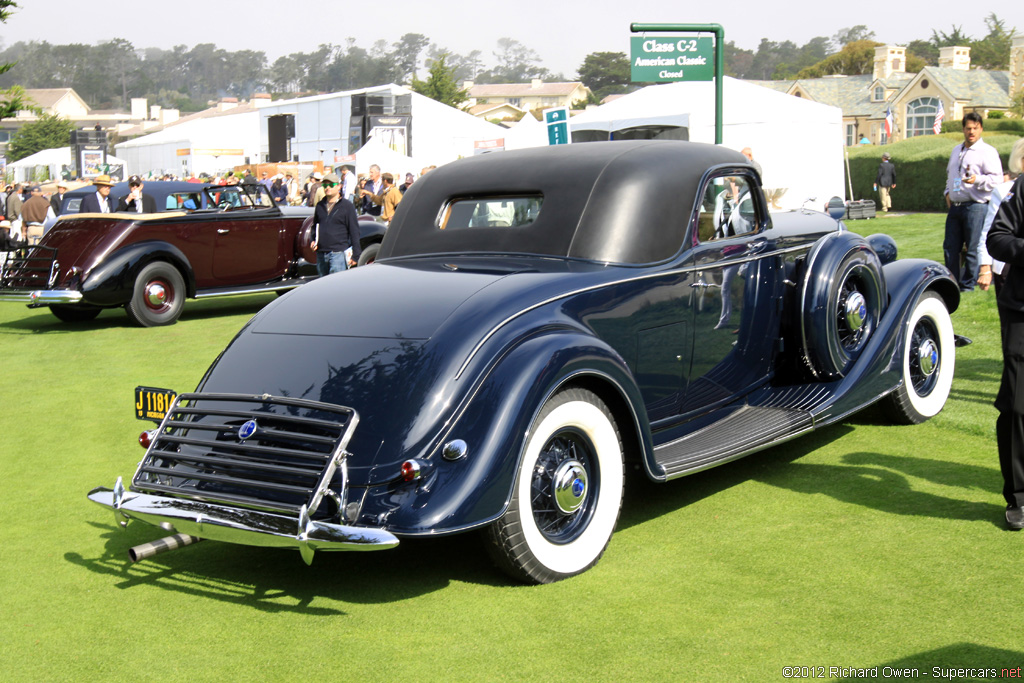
[112, 282]
[495, 424]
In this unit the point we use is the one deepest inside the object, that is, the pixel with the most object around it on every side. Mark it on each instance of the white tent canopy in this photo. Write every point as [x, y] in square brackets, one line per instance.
[389, 161]
[53, 159]
[799, 144]
[528, 132]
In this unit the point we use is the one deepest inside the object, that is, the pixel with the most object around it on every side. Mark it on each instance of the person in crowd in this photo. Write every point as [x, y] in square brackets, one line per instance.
[374, 187]
[749, 154]
[885, 181]
[974, 169]
[409, 179]
[57, 199]
[316, 191]
[388, 199]
[279, 192]
[293, 189]
[13, 210]
[135, 201]
[1006, 243]
[34, 210]
[266, 181]
[990, 271]
[348, 184]
[100, 200]
[335, 230]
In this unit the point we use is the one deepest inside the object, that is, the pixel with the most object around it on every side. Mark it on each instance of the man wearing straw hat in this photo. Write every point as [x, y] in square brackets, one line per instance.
[99, 201]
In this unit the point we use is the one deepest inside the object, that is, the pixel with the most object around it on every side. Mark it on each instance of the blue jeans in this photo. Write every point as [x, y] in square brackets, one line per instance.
[328, 262]
[963, 227]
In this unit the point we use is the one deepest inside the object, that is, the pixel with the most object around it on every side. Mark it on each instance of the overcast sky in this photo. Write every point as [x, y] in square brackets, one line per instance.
[562, 32]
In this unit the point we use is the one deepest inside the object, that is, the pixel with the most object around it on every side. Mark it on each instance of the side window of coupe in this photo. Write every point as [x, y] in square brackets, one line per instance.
[727, 209]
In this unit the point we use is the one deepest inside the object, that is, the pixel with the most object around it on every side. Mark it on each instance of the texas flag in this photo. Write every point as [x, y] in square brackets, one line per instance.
[937, 126]
[890, 122]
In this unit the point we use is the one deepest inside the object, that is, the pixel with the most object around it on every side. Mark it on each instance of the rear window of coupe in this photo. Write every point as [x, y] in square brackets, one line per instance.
[490, 212]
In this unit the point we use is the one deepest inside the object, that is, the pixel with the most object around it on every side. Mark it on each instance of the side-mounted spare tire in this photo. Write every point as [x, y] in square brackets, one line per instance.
[841, 301]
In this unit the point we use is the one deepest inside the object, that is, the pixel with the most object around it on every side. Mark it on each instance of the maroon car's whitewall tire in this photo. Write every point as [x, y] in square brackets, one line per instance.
[158, 297]
[567, 494]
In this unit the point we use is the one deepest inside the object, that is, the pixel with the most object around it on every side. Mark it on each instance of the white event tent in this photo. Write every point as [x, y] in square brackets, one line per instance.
[208, 145]
[52, 159]
[798, 143]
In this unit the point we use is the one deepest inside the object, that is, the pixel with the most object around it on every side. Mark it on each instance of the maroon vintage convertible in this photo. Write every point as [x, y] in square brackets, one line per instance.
[239, 242]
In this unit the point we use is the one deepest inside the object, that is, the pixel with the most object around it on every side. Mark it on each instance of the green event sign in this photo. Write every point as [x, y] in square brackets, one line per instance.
[671, 58]
[557, 122]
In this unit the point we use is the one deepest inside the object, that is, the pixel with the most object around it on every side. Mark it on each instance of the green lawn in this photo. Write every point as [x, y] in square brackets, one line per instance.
[863, 545]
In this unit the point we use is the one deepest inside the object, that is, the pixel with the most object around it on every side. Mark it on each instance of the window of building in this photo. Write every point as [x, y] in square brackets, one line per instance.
[921, 116]
[879, 93]
[851, 134]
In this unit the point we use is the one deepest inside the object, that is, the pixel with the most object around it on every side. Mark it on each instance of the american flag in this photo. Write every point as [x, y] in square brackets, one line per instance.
[890, 122]
[939, 115]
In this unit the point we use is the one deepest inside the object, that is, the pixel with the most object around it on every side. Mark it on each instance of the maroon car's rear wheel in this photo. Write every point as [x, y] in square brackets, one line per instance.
[159, 296]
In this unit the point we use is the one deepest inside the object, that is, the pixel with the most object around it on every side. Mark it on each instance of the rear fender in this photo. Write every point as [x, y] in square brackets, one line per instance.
[113, 282]
[475, 490]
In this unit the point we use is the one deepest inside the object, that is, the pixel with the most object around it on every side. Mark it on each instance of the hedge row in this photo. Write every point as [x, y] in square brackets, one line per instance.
[920, 168]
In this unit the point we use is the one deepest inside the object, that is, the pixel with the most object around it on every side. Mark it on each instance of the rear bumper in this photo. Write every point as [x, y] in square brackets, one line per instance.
[238, 525]
[40, 297]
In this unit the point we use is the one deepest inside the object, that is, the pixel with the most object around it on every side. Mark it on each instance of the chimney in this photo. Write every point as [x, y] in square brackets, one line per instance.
[889, 59]
[260, 99]
[536, 83]
[227, 103]
[1017, 65]
[138, 108]
[169, 116]
[955, 57]
[154, 112]
[466, 85]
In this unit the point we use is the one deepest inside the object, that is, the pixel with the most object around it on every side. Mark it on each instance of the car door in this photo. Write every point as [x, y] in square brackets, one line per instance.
[734, 299]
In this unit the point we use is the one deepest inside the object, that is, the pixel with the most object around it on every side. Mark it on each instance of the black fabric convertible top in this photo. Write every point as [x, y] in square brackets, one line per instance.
[616, 202]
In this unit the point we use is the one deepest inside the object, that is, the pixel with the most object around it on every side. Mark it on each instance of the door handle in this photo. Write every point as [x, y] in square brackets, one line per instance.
[222, 231]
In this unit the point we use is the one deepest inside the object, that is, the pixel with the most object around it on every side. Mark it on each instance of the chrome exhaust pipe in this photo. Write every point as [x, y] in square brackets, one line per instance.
[141, 552]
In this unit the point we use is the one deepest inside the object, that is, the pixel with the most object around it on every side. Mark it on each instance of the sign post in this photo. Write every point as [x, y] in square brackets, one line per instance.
[680, 58]
[557, 122]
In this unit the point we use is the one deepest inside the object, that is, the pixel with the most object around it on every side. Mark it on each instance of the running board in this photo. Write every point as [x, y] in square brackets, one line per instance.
[748, 429]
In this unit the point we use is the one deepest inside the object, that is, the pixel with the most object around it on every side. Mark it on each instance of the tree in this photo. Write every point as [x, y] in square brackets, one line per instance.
[49, 132]
[14, 98]
[845, 36]
[441, 84]
[854, 59]
[993, 51]
[407, 50]
[605, 73]
[516, 63]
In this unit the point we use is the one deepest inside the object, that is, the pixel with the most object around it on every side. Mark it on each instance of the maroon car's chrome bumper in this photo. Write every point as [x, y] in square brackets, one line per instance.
[41, 297]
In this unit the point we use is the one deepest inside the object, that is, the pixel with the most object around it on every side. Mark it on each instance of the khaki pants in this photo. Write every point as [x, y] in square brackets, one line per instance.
[883, 192]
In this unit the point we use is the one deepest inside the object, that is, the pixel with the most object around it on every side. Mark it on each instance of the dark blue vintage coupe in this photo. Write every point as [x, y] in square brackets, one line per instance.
[535, 322]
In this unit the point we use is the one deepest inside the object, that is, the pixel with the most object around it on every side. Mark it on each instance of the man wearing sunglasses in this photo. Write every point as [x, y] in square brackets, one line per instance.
[335, 230]
[135, 201]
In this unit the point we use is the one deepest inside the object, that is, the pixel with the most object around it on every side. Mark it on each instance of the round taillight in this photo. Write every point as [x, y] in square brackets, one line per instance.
[146, 438]
[410, 470]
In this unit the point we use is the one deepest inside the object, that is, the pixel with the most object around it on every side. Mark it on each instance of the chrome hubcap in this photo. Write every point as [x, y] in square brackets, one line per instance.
[856, 311]
[569, 486]
[928, 356]
[156, 294]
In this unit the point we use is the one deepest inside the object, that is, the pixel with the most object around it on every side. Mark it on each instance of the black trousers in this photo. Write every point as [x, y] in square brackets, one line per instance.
[1010, 404]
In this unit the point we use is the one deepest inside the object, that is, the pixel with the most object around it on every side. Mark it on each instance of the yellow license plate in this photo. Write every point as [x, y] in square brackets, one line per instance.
[152, 403]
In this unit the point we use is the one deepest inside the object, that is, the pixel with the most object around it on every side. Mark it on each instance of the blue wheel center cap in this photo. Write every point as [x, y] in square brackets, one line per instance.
[569, 486]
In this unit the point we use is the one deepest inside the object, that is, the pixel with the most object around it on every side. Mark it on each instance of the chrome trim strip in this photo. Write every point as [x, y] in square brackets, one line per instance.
[637, 278]
[283, 284]
[246, 527]
[41, 297]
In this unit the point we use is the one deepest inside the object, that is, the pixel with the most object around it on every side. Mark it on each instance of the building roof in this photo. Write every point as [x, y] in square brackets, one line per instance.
[523, 89]
[212, 112]
[481, 110]
[46, 98]
[979, 87]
